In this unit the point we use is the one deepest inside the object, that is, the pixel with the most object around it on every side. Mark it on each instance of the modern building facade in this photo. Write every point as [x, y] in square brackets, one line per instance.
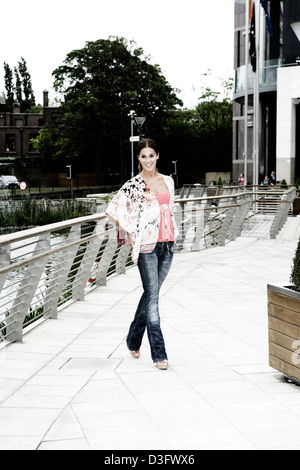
[277, 113]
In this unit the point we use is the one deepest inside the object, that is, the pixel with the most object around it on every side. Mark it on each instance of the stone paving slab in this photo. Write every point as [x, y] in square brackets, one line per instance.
[219, 392]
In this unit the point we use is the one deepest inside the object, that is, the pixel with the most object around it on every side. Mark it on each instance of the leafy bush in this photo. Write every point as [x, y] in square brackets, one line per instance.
[295, 275]
[32, 213]
[283, 184]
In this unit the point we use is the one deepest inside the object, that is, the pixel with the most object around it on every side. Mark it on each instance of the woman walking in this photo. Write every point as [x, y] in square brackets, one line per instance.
[143, 210]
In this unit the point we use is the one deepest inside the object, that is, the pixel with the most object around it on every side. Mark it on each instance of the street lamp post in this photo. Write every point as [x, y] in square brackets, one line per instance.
[175, 172]
[69, 176]
[138, 121]
[132, 114]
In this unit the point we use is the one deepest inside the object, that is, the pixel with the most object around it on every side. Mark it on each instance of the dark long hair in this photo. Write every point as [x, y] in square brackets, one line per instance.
[144, 143]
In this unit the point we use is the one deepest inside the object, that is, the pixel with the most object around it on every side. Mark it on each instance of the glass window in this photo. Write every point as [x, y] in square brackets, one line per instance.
[10, 143]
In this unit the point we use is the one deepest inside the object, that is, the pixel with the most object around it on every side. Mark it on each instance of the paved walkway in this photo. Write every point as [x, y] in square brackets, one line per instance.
[219, 392]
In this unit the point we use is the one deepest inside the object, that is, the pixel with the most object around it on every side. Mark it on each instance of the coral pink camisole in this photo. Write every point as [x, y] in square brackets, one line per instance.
[166, 229]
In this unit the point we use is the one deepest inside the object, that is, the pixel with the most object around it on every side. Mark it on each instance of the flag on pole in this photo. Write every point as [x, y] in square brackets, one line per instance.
[252, 49]
[250, 9]
[264, 4]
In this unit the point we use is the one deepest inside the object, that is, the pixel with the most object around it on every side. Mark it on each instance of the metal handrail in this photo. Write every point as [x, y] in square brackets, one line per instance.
[45, 268]
[46, 254]
[17, 236]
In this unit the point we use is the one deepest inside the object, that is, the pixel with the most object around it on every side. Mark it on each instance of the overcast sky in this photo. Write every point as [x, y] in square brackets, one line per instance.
[185, 38]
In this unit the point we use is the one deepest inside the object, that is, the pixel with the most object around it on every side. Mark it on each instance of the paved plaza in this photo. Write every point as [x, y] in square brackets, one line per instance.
[73, 385]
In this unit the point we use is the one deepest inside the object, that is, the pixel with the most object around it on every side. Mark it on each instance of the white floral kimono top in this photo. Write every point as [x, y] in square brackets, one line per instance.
[136, 210]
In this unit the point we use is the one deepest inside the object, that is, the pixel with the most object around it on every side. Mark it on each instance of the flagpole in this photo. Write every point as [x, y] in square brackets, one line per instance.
[246, 91]
[256, 99]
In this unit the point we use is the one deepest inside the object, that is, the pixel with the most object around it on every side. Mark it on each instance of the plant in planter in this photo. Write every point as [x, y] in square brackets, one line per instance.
[295, 275]
[284, 324]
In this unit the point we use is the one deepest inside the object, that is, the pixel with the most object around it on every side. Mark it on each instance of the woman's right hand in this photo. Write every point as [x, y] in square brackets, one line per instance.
[130, 241]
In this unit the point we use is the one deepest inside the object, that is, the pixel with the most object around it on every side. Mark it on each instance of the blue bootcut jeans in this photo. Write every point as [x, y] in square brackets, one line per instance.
[154, 268]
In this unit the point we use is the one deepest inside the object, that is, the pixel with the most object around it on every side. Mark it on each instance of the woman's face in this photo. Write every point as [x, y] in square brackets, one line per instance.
[148, 158]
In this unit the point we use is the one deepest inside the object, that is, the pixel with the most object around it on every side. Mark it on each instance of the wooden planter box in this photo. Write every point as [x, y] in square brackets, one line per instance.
[296, 206]
[284, 331]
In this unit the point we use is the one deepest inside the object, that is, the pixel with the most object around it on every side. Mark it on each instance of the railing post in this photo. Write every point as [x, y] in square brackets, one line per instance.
[122, 258]
[59, 275]
[4, 262]
[106, 258]
[86, 265]
[226, 226]
[238, 221]
[32, 274]
[282, 212]
[180, 222]
[202, 216]
[245, 212]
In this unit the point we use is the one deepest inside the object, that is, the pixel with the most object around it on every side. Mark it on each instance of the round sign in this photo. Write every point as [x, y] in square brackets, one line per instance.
[23, 185]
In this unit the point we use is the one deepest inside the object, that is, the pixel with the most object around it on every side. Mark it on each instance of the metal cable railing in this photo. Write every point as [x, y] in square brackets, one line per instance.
[45, 268]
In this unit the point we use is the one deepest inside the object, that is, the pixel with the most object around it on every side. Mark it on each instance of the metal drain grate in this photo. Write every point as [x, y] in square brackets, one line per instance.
[88, 363]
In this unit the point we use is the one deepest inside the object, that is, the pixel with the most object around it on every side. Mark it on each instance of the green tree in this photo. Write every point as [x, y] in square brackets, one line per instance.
[44, 142]
[295, 274]
[27, 99]
[200, 139]
[18, 86]
[20, 89]
[215, 110]
[9, 85]
[101, 84]
[215, 126]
